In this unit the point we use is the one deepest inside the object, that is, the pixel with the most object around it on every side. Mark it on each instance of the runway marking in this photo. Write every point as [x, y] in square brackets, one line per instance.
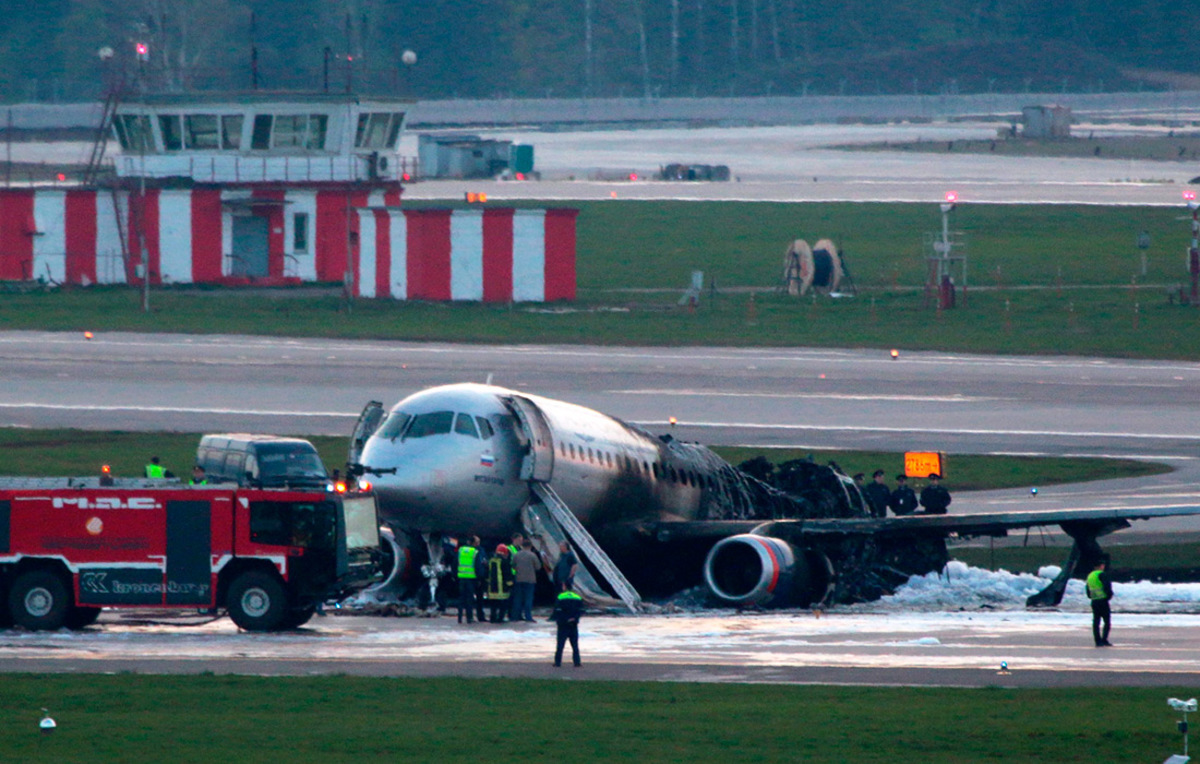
[642, 423]
[826, 396]
[922, 430]
[174, 410]
[757, 355]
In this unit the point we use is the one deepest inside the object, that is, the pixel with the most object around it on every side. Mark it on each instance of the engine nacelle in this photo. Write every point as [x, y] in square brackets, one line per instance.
[749, 570]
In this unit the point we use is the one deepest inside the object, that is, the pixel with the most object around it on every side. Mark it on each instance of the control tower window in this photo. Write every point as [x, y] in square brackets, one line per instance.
[201, 131]
[374, 130]
[261, 139]
[318, 126]
[231, 131]
[172, 133]
[290, 130]
[133, 132]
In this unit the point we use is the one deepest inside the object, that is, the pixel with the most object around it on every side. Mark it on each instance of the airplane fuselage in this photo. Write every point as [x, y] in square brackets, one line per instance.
[459, 452]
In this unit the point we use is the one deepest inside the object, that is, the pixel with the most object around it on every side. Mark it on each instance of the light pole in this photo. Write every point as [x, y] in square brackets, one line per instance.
[1194, 252]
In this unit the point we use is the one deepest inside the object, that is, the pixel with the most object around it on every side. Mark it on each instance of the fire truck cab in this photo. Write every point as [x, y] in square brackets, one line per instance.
[266, 556]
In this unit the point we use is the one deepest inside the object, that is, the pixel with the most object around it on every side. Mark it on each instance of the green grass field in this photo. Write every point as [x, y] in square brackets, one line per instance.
[1043, 280]
[136, 718]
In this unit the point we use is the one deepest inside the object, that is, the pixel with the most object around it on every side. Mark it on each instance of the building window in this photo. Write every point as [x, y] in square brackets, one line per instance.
[378, 131]
[289, 131]
[133, 132]
[300, 232]
[261, 139]
[202, 131]
[231, 132]
[318, 126]
[172, 134]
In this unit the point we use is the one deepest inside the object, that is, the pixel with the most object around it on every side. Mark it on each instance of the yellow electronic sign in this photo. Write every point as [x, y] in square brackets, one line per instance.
[924, 463]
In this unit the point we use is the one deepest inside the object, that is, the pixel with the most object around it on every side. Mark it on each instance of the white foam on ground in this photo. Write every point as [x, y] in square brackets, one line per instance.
[970, 618]
[960, 587]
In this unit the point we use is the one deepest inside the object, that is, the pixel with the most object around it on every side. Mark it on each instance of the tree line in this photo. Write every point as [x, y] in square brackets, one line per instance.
[71, 49]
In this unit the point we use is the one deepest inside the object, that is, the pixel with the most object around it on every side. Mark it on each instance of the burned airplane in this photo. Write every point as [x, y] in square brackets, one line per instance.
[651, 514]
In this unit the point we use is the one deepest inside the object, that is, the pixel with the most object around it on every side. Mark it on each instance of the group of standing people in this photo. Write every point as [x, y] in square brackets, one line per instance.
[506, 581]
[934, 500]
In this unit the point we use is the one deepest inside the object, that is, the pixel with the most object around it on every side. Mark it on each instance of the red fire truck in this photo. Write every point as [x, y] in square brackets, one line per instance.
[69, 547]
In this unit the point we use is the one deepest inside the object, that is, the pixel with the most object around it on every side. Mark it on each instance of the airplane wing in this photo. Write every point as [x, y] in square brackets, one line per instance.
[808, 561]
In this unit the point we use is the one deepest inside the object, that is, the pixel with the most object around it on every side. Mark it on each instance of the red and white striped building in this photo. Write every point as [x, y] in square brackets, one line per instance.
[275, 191]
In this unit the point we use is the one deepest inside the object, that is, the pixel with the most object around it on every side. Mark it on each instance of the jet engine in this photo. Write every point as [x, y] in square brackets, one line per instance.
[750, 570]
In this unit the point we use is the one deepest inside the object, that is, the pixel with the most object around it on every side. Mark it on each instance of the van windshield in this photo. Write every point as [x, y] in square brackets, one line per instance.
[279, 462]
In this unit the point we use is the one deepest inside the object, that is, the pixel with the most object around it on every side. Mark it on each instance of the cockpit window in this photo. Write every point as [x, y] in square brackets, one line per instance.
[485, 428]
[465, 425]
[394, 425]
[424, 425]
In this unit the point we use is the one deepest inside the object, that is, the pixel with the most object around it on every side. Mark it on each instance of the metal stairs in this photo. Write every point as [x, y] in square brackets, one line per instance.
[560, 524]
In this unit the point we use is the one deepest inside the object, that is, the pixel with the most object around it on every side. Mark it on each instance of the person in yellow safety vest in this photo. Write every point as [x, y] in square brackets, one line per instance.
[467, 579]
[198, 477]
[154, 469]
[1100, 592]
[567, 612]
[499, 583]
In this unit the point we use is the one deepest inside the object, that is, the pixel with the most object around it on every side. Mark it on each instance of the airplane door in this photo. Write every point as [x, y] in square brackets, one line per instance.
[539, 459]
[368, 422]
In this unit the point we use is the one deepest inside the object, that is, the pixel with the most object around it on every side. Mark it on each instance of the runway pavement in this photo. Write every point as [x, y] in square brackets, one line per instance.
[816, 398]
[933, 649]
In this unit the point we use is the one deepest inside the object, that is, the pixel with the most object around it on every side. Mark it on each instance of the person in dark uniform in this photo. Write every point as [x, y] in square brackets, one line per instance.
[934, 497]
[565, 568]
[1100, 592]
[567, 612]
[499, 583]
[878, 494]
[481, 580]
[904, 499]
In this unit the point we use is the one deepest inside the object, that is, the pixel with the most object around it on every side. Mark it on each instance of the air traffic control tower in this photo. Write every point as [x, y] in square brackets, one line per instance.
[273, 189]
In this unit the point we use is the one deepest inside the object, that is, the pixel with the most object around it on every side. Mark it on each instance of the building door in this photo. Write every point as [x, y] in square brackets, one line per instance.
[250, 251]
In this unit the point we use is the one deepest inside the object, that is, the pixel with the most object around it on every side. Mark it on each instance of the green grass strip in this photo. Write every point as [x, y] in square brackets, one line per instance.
[133, 718]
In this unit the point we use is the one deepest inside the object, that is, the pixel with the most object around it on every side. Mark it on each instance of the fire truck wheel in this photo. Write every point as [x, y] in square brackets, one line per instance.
[298, 617]
[78, 617]
[257, 602]
[39, 601]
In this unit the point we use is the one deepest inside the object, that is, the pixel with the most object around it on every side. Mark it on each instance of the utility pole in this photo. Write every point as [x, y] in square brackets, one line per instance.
[674, 44]
[589, 74]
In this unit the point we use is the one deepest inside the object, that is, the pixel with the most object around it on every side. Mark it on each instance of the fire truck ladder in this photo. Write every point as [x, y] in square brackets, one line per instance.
[99, 145]
[563, 525]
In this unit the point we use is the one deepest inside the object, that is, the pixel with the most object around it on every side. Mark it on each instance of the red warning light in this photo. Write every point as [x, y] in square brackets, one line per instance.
[1189, 195]
[105, 469]
[87, 335]
[951, 197]
[405, 177]
[61, 177]
[520, 176]
[143, 51]
[895, 354]
[633, 176]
